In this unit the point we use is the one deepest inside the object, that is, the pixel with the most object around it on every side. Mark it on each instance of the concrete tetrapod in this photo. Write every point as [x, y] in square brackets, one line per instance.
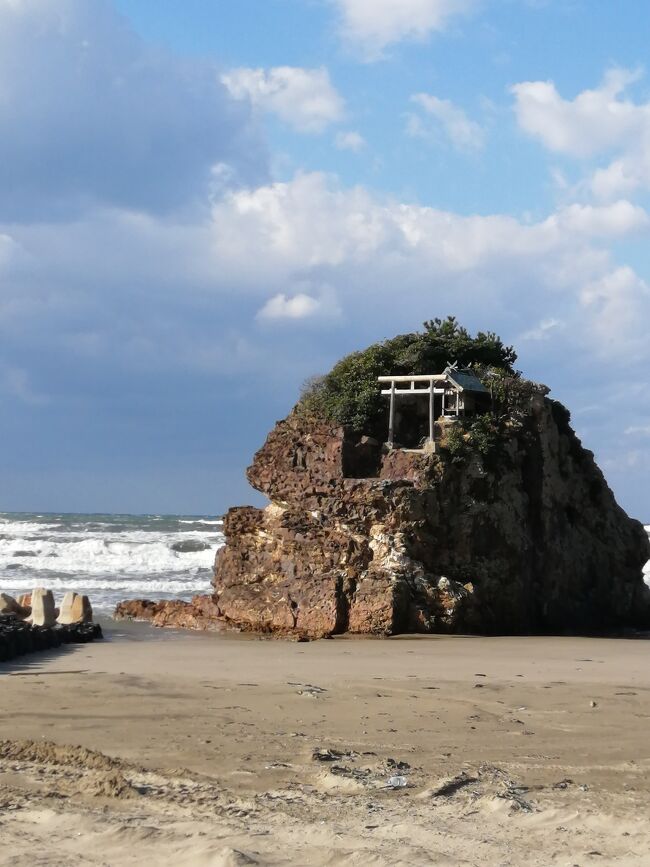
[75, 609]
[43, 610]
[8, 605]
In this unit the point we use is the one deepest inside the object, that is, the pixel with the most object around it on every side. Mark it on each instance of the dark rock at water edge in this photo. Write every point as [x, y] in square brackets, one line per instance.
[190, 546]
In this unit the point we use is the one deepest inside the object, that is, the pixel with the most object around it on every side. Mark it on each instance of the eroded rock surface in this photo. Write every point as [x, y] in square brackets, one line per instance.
[200, 613]
[527, 538]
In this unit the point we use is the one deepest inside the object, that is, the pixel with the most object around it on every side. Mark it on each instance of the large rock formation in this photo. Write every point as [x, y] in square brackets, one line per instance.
[523, 536]
[507, 526]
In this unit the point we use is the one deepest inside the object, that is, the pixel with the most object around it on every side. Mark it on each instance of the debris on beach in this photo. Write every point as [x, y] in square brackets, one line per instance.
[328, 755]
[309, 689]
[397, 782]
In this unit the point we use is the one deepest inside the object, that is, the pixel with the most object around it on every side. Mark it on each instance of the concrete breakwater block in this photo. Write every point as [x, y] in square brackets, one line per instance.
[43, 609]
[75, 609]
[8, 605]
[39, 608]
[33, 622]
[18, 637]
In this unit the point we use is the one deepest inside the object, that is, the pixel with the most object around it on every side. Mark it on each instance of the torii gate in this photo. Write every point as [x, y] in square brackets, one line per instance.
[436, 383]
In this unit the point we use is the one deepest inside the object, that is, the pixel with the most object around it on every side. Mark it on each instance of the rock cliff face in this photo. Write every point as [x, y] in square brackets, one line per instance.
[525, 538]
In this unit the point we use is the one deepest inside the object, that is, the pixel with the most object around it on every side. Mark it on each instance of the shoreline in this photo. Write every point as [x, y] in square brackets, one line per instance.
[211, 741]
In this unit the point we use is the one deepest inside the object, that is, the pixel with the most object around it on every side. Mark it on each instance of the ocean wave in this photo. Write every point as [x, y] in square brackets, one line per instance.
[117, 556]
[108, 557]
[24, 528]
[120, 585]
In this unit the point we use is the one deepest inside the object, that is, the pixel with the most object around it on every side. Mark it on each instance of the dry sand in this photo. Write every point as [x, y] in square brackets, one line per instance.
[199, 750]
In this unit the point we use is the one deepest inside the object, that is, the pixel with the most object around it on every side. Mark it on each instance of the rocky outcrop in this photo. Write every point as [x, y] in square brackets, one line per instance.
[526, 537]
[200, 613]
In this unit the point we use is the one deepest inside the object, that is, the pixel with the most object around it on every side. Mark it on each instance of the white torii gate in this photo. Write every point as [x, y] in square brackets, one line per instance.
[409, 387]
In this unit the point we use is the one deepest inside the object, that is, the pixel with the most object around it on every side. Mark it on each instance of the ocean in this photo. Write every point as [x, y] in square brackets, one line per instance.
[113, 557]
[109, 557]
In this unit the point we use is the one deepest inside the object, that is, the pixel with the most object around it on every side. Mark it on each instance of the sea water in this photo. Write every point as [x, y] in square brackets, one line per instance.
[109, 557]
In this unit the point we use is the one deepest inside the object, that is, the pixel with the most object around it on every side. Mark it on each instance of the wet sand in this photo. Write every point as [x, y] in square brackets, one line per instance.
[222, 750]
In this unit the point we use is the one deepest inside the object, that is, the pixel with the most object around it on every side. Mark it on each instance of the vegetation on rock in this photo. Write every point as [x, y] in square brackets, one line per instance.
[349, 395]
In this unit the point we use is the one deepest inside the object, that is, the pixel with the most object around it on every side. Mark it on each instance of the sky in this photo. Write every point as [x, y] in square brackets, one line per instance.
[202, 204]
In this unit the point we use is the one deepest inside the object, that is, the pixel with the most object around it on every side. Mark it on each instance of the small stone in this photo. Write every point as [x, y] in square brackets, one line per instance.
[593, 704]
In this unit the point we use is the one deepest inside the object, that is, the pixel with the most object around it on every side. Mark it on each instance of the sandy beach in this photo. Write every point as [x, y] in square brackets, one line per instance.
[215, 749]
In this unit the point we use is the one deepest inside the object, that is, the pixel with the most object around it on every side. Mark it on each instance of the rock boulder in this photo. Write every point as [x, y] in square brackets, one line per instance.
[524, 538]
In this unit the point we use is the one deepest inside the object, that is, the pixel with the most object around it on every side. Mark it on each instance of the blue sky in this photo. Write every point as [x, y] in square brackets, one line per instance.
[202, 204]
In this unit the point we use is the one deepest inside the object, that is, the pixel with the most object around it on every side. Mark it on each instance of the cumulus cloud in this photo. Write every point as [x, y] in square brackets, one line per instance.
[303, 98]
[91, 114]
[543, 330]
[463, 133]
[638, 430]
[265, 254]
[312, 222]
[597, 122]
[350, 141]
[608, 221]
[299, 306]
[372, 25]
[232, 296]
[619, 306]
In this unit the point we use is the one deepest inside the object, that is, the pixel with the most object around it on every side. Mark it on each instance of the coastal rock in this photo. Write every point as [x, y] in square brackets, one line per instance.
[481, 513]
[200, 613]
[190, 546]
[527, 538]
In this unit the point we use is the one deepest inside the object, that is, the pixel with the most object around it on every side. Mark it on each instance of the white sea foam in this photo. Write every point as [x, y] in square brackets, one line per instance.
[24, 528]
[108, 557]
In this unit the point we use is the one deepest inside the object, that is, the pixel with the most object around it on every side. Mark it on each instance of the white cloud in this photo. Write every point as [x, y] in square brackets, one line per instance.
[311, 222]
[125, 303]
[311, 250]
[372, 25]
[281, 306]
[350, 141]
[608, 221]
[463, 133]
[618, 304]
[303, 98]
[638, 430]
[91, 114]
[543, 331]
[595, 123]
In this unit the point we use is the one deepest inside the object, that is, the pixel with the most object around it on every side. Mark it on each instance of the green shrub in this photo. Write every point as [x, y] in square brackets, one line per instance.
[455, 442]
[484, 434]
[349, 394]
